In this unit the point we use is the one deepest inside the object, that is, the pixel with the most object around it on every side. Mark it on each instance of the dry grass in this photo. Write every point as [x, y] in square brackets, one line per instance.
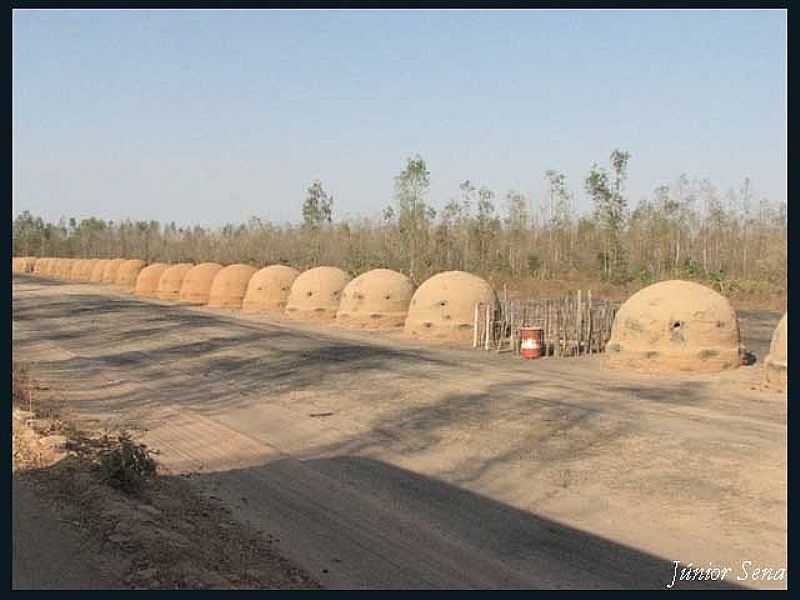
[743, 294]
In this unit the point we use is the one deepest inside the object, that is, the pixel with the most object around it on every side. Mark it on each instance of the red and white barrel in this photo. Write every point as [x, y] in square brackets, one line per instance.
[531, 342]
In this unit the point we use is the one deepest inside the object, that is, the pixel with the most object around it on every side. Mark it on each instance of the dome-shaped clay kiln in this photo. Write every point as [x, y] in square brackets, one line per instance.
[111, 270]
[776, 363]
[76, 268]
[675, 326]
[147, 281]
[197, 283]
[128, 273]
[50, 268]
[443, 307]
[26, 264]
[99, 270]
[57, 268]
[268, 289]
[229, 286]
[85, 272]
[66, 268]
[377, 298]
[169, 286]
[316, 293]
[40, 268]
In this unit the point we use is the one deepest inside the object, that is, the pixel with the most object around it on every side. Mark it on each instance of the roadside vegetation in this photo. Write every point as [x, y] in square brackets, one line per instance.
[734, 241]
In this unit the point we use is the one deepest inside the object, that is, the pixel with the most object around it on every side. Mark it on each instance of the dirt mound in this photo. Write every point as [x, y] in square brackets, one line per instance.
[197, 283]
[169, 286]
[675, 326]
[128, 273]
[147, 281]
[268, 290]
[377, 298]
[229, 286]
[98, 270]
[111, 270]
[776, 364]
[443, 307]
[316, 293]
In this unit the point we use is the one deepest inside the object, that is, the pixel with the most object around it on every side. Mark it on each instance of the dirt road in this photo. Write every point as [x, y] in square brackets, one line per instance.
[40, 560]
[381, 463]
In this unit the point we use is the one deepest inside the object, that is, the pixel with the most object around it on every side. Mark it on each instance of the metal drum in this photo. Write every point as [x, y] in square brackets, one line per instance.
[531, 342]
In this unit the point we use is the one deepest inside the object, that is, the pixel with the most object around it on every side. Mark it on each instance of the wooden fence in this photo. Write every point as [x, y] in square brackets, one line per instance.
[575, 325]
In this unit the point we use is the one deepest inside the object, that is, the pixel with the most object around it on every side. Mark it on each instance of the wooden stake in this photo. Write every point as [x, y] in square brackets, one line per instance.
[578, 326]
[488, 323]
[590, 332]
[513, 337]
[475, 326]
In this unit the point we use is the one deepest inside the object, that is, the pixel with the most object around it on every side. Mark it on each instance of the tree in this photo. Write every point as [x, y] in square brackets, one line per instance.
[317, 212]
[317, 207]
[610, 206]
[411, 188]
[486, 225]
[559, 215]
[560, 200]
[516, 225]
[27, 233]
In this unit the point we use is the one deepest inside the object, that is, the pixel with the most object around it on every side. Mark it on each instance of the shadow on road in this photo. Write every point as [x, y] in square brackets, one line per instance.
[400, 529]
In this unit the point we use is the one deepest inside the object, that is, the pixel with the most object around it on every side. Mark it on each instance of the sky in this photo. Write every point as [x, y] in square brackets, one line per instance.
[215, 116]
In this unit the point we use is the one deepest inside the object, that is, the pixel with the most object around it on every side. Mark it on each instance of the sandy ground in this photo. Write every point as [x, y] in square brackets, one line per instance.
[49, 550]
[72, 529]
[377, 462]
[54, 554]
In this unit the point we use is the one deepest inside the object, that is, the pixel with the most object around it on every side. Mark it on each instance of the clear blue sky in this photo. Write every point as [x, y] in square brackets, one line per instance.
[215, 116]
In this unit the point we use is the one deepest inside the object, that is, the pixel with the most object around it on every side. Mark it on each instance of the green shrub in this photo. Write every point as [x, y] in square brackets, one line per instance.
[128, 465]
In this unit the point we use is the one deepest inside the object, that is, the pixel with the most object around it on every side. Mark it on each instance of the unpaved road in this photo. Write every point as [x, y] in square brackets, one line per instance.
[381, 463]
[54, 555]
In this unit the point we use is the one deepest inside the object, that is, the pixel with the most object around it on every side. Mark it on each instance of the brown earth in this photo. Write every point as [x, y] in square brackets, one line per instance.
[379, 462]
[72, 530]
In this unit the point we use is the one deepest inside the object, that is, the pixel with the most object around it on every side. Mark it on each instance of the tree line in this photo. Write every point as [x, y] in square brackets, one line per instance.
[688, 229]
